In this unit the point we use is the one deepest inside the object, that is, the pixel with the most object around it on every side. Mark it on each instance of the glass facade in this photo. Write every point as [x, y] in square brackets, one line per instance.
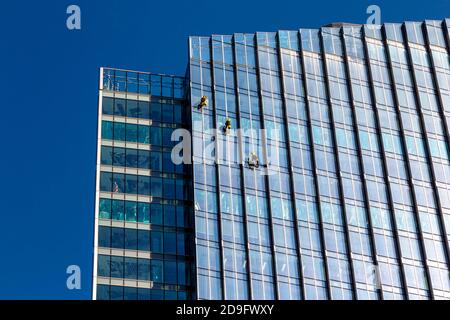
[355, 204]
[319, 169]
[144, 228]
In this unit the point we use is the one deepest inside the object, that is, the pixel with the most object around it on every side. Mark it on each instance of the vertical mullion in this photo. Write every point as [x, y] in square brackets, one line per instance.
[361, 162]
[385, 169]
[424, 130]
[338, 168]
[242, 168]
[407, 164]
[216, 165]
[265, 168]
[291, 173]
[314, 166]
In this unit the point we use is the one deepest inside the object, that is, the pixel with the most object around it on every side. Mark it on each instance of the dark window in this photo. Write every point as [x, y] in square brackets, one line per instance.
[143, 269]
[144, 109]
[130, 268]
[156, 187]
[118, 182]
[144, 185]
[143, 159]
[156, 241]
[104, 269]
[169, 215]
[132, 158]
[143, 134]
[132, 132]
[178, 113]
[132, 109]
[155, 161]
[107, 130]
[119, 157]
[117, 238]
[168, 165]
[102, 292]
[108, 105]
[143, 294]
[155, 111]
[119, 107]
[107, 155]
[167, 137]
[131, 239]
[144, 240]
[155, 135]
[156, 214]
[119, 131]
[104, 236]
[116, 293]
[167, 113]
[105, 181]
[169, 188]
[129, 293]
[116, 267]
[170, 243]
[131, 184]
[156, 271]
[170, 272]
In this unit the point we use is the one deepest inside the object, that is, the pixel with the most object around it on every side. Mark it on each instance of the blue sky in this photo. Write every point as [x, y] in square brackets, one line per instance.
[48, 92]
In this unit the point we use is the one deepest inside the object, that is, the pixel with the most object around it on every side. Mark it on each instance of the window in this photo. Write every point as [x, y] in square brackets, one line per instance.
[130, 268]
[143, 159]
[131, 132]
[156, 187]
[143, 240]
[169, 188]
[156, 242]
[119, 131]
[170, 272]
[156, 214]
[170, 243]
[156, 271]
[143, 185]
[169, 215]
[155, 135]
[155, 111]
[107, 155]
[104, 269]
[104, 236]
[131, 158]
[119, 107]
[118, 210]
[107, 130]
[116, 267]
[167, 113]
[131, 239]
[155, 161]
[143, 134]
[119, 157]
[132, 109]
[117, 238]
[143, 269]
[143, 212]
[108, 106]
[131, 184]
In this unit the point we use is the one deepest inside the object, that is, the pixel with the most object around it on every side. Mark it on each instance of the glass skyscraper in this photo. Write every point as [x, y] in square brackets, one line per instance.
[317, 167]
